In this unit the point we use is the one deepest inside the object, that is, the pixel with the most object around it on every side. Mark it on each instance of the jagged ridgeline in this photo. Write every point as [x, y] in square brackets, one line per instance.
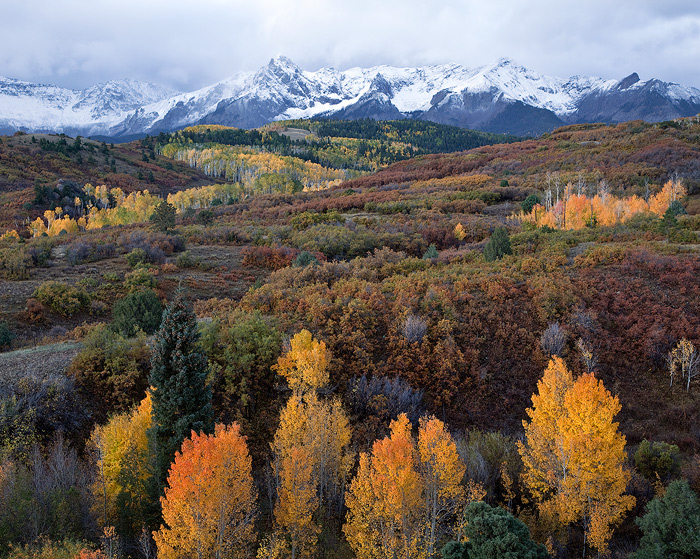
[356, 146]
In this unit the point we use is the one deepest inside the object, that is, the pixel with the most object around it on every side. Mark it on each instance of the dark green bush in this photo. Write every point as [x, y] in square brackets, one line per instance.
[6, 335]
[431, 253]
[205, 217]
[654, 459]
[498, 245]
[493, 533]
[163, 217]
[138, 310]
[671, 525]
[677, 208]
[530, 202]
[305, 258]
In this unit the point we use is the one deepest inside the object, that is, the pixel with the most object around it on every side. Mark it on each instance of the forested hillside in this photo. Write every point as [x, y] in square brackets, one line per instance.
[488, 349]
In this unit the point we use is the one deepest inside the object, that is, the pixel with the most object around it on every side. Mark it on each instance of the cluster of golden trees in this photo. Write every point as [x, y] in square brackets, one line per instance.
[251, 174]
[245, 165]
[407, 495]
[576, 211]
[112, 207]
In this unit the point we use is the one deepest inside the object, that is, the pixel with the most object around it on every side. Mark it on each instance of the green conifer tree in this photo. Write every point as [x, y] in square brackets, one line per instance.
[493, 533]
[163, 217]
[671, 525]
[179, 391]
[498, 245]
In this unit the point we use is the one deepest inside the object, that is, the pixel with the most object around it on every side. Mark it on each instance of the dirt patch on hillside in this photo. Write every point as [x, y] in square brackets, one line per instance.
[39, 362]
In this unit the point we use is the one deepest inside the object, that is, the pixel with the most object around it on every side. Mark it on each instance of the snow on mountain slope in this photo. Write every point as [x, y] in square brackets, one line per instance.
[502, 95]
[41, 107]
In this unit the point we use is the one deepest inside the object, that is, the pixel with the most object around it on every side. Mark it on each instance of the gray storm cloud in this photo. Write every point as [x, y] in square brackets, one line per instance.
[187, 45]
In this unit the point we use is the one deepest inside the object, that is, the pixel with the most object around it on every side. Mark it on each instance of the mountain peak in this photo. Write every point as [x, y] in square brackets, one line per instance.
[629, 81]
[282, 62]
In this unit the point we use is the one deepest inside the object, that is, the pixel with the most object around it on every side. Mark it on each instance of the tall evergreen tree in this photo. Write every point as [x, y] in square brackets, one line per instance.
[179, 391]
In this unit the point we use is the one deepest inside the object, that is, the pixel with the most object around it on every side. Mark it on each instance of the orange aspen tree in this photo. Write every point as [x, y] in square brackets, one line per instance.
[297, 502]
[210, 506]
[385, 499]
[442, 472]
[573, 454]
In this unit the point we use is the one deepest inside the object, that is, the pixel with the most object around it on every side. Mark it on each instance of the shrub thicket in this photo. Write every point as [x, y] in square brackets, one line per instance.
[62, 298]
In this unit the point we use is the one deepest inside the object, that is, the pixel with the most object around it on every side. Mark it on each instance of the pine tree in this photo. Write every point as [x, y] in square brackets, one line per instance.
[163, 217]
[498, 245]
[179, 391]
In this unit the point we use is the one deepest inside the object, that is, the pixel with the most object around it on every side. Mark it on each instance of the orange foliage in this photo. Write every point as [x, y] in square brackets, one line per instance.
[578, 211]
[210, 506]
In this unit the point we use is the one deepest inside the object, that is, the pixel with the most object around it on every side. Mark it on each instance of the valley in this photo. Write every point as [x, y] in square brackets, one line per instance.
[346, 278]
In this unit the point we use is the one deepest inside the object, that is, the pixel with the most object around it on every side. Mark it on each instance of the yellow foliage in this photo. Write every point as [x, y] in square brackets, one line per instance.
[305, 365]
[459, 232]
[9, 235]
[298, 501]
[121, 443]
[323, 430]
[405, 493]
[574, 456]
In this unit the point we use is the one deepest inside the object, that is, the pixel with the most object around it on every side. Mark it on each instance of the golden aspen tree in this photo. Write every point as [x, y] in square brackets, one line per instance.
[322, 428]
[209, 507]
[442, 472]
[297, 502]
[459, 232]
[573, 454]
[319, 427]
[122, 444]
[305, 365]
[544, 457]
[598, 477]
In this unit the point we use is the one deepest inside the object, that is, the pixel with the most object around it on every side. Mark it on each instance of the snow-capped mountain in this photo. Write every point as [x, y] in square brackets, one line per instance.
[501, 97]
[48, 108]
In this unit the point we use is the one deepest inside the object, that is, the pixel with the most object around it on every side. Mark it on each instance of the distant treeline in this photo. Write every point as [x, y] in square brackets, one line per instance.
[341, 144]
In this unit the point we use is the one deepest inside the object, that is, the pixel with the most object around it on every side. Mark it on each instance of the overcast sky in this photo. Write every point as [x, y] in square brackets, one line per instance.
[187, 45]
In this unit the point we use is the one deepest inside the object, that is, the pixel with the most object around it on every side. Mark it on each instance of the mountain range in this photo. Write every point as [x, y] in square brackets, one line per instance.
[502, 97]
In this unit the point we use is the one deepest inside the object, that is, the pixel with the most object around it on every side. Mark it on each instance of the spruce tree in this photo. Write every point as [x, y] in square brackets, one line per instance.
[498, 245]
[179, 391]
[163, 216]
